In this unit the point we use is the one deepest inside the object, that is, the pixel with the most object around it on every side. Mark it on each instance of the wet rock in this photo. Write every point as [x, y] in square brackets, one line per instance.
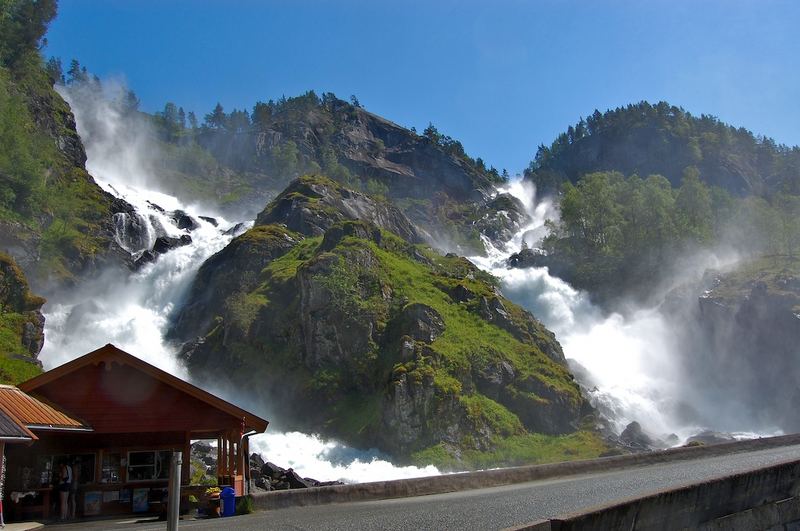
[164, 244]
[528, 258]
[183, 220]
[144, 258]
[501, 218]
[235, 230]
[130, 231]
[211, 220]
[156, 207]
[633, 437]
[710, 437]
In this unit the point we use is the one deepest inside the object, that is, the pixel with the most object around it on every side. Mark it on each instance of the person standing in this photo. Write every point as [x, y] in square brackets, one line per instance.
[64, 487]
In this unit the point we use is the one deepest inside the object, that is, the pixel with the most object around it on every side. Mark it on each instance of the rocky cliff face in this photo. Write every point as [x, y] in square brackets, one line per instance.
[442, 190]
[742, 338]
[64, 231]
[340, 325]
[311, 206]
[21, 325]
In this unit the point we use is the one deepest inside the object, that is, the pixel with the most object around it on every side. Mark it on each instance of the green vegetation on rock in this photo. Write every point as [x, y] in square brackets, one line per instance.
[53, 217]
[343, 327]
[619, 236]
[21, 325]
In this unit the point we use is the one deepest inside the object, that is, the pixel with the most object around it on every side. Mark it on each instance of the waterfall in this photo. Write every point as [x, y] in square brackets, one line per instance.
[132, 310]
[631, 366]
[627, 364]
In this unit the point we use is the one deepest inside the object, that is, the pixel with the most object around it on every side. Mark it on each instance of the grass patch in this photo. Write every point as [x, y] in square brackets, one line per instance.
[14, 371]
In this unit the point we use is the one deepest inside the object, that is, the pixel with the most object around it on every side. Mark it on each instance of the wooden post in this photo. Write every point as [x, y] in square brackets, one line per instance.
[187, 452]
[231, 457]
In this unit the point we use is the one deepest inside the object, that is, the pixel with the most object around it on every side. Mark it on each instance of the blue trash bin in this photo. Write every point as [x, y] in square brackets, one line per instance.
[227, 499]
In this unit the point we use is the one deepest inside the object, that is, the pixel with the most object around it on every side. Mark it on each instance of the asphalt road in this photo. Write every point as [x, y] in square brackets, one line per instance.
[491, 508]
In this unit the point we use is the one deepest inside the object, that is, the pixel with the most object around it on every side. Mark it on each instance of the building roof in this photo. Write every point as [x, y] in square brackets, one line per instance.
[12, 430]
[110, 354]
[35, 414]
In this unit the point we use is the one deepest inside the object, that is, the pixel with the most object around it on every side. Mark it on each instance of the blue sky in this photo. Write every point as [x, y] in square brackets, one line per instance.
[502, 76]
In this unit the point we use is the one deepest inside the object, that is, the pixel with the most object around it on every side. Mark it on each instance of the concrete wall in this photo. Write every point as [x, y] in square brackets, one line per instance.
[760, 499]
[492, 478]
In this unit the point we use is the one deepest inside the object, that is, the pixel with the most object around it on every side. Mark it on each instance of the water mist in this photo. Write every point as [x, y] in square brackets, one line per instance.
[632, 365]
[132, 310]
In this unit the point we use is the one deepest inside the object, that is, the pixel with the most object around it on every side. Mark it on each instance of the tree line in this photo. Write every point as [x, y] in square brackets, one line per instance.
[618, 232]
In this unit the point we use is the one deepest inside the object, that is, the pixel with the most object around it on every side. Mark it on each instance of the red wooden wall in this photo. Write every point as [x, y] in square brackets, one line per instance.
[116, 398]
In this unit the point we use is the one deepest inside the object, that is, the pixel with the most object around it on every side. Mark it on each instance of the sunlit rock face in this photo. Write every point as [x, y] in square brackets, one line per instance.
[329, 310]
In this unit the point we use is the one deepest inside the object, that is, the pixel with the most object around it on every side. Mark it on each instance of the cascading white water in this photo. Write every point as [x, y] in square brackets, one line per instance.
[630, 371]
[132, 310]
[630, 367]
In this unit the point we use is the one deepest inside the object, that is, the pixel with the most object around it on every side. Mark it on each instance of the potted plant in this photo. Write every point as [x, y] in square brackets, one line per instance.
[212, 493]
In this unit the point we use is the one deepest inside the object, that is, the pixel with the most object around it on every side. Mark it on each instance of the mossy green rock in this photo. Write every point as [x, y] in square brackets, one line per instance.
[21, 325]
[55, 220]
[349, 330]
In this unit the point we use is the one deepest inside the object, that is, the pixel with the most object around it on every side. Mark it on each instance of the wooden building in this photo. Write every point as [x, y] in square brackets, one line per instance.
[117, 420]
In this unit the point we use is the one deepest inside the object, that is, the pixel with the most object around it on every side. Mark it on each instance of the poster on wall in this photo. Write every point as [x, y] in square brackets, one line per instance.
[140, 497]
[110, 496]
[92, 502]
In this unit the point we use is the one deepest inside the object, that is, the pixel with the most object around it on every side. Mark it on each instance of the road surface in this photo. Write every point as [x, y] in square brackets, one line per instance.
[490, 508]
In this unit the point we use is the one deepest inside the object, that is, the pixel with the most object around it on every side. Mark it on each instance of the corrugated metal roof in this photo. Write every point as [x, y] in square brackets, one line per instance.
[34, 413]
[12, 429]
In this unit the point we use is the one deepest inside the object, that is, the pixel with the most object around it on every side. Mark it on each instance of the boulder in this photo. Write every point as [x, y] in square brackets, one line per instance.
[209, 219]
[256, 461]
[262, 483]
[144, 258]
[492, 379]
[272, 470]
[235, 230]
[501, 218]
[295, 481]
[528, 258]
[422, 322]
[635, 438]
[164, 244]
[183, 220]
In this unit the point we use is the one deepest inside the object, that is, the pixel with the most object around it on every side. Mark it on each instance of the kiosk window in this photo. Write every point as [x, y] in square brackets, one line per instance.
[148, 465]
